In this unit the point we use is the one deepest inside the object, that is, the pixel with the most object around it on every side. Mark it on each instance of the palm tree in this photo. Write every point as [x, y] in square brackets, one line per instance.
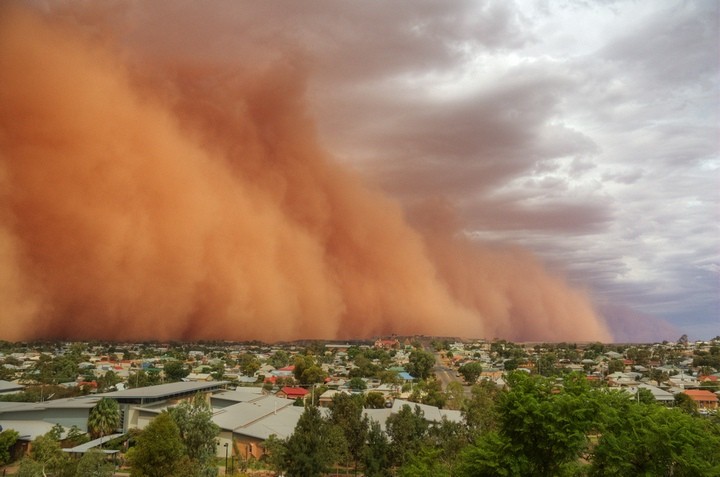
[104, 417]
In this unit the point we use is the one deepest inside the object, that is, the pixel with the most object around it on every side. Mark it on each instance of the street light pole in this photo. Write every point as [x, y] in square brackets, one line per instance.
[226, 457]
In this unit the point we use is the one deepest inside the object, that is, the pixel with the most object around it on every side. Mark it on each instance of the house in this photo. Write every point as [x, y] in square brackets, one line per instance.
[138, 406]
[326, 398]
[244, 426]
[36, 418]
[704, 398]
[198, 377]
[660, 395]
[387, 344]
[286, 372]
[292, 393]
[683, 381]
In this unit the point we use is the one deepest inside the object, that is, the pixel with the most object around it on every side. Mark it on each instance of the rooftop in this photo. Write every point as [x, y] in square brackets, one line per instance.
[163, 391]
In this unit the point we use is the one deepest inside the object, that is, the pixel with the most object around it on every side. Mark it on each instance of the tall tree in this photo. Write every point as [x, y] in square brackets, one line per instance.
[479, 411]
[249, 364]
[686, 403]
[46, 451]
[198, 433]
[94, 464]
[158, 449]
[175, 371]
[420, 364]
[347, 413]
[315, 445]
[654, 440]
[376, 456]
[374, 400]
[543, 428]
[471, 372]
[407, 430]
[107, 381]
[426, 463]
[279, 359]
[8, 438]
[658, 375]
[104, 418]
[546, 425]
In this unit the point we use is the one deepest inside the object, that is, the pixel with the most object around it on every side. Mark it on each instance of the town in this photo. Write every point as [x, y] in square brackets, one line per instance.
[250, 402]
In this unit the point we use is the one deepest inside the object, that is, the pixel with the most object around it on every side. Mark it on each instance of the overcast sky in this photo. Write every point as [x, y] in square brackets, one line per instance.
[586, 131]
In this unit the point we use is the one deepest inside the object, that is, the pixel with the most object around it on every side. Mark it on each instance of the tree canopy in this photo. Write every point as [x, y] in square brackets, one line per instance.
[315, 445]
[471, 372]
[158, 449]
[104, 418]
[420, 364]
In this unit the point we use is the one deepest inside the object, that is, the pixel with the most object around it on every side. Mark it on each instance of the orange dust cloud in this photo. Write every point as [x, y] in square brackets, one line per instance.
[187, 201]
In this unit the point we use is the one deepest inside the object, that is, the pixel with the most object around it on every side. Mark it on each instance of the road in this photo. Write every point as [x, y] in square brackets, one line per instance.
[446, 375]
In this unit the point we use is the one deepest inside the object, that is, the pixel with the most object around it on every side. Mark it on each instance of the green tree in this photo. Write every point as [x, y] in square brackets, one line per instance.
[175, 371]
[314, 446]
[479, 411]
[140, 378]
[546, 364]
[420, 364]
[545, 429]
[8, 438]
[654, 440]
[388, 377]
[432, 393]
[658, 376]
[455, 396]
[357, 384]
[426, 463]
[686, 403]
[198, 433]
[407, 430]
[301, 363]
[374, 400]
[46, 451]
[94, 464]
[549, 427]
[491, 456]
[107, 381]
[307, 371]
[616, 365]
[75, 436]
[56, 432]
[158, 449]
[376, 455]
[313, 375]
[449, 437]
[347, 413]
[31, 468]
[279, 359]
[275, 453]
[61, 369]
[104, 418]
[471, 372]
[645, 396]
[249, 364]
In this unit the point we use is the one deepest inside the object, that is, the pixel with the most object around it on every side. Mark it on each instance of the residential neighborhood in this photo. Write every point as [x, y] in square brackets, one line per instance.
[256, 394]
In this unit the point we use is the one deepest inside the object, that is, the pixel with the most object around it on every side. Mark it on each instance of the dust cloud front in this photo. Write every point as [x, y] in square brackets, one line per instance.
[194, 201]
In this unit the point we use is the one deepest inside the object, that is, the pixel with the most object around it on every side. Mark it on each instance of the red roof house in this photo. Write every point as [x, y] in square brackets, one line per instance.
[292, 393]
[704, 398]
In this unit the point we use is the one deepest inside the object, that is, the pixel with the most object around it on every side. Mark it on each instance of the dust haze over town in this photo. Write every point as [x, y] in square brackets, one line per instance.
[201, 177]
